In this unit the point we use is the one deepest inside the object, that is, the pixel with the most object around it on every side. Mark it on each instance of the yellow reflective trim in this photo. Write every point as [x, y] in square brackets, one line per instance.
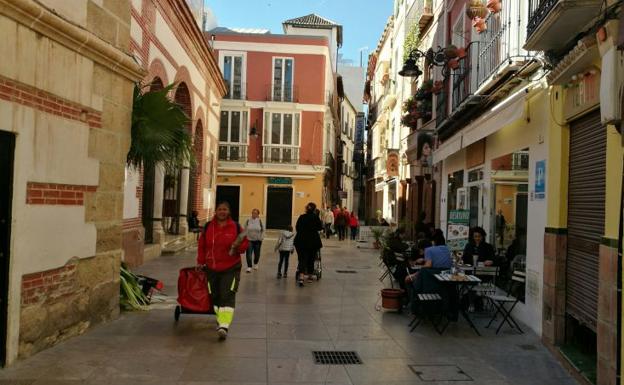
[209, 289]
[233, 284]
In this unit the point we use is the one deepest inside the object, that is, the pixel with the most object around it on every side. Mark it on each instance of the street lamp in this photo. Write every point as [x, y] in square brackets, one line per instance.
[435, 58]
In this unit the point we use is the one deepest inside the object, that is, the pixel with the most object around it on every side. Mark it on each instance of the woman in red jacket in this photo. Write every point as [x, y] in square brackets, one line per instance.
[218, 252]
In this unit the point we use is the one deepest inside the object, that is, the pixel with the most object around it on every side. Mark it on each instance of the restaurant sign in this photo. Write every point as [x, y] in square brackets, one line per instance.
[279, 180]
[458, 229]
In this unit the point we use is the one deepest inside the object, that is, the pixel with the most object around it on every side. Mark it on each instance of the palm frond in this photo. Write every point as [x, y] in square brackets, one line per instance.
[159, 133]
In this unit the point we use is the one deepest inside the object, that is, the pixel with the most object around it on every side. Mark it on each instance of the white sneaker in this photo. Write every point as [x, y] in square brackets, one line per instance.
[222, 333]
[255, 267]
[248, 270]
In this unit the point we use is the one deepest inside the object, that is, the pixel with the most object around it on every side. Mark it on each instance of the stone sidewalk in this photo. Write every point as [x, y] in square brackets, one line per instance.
[277, 326]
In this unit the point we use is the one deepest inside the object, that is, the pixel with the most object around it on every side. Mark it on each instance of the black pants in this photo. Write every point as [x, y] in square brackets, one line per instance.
[222, 286]
[342, 232]
[306, 260]
[283, 260]
[328, 231]
[353, 233]
[254, 248]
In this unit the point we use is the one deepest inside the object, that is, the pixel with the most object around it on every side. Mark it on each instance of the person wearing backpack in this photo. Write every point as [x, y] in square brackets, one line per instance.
[286, 246]
[255, 234]
[219, 252]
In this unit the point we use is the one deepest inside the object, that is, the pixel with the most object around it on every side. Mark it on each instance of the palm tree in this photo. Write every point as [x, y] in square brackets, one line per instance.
[159, 133]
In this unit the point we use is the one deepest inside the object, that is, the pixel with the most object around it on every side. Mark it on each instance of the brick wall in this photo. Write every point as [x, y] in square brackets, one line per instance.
[55, 283]
[57, 194]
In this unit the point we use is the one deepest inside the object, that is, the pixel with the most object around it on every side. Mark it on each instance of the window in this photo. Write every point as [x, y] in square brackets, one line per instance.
[233, 136]
[283, 79]
[281, 137]
[232, 68]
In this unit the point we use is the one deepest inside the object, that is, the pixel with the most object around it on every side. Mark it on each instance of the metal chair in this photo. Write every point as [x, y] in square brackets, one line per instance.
[505, 304]
[430, 305]
[488, 275]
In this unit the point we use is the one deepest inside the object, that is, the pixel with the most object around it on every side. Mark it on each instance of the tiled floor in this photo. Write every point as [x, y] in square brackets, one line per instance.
[277, 326]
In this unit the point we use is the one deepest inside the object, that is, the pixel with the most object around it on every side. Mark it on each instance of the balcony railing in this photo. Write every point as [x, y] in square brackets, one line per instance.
[238, 91]
[441, 106]
[275, 93]
[281, 154]
[538, 10]
[233, 152]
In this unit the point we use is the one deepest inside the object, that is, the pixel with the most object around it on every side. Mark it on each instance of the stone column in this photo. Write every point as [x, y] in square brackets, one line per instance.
[159, 185]
[184, 191]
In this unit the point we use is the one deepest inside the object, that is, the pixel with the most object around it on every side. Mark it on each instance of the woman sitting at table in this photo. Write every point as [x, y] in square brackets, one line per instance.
[479, 248]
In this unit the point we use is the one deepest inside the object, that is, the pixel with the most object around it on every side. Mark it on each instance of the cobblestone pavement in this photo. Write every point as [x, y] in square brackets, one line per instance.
[276, 327]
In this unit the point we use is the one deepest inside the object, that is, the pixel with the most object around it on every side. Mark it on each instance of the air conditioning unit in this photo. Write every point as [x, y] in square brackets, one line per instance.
[612, 86]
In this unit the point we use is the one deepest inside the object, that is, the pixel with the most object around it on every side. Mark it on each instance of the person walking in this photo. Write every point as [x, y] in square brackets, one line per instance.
[255, 234]
[353, 224]
[328, 221]
[285, 246]
[219, 252]
[307, 242]
[340, 223]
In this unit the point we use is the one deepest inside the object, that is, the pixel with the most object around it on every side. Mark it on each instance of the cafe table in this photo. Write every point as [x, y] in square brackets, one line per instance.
[459, 286]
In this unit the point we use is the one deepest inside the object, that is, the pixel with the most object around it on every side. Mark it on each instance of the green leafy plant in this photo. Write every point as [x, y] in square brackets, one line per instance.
[412, 40]
[131, 295]
[159, 133]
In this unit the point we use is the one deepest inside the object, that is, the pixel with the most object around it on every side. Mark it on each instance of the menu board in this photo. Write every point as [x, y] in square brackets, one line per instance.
[458, 229]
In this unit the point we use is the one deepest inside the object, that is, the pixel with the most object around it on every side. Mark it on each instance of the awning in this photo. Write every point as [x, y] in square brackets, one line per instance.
[501, 115]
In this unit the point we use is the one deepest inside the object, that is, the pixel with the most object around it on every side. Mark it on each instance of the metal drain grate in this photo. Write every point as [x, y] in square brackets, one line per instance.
[346, 271]
[327, 357]
[435, 373]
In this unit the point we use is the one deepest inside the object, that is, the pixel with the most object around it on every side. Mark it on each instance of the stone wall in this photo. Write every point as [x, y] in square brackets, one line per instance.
[66, 91]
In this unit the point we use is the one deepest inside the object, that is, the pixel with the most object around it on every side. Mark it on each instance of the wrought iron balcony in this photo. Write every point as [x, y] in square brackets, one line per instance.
[275, 93]
[553, 24]
[233, 152]
[281, 154]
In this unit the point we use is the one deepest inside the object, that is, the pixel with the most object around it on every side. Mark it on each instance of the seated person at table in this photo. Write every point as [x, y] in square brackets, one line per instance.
[417, 258]
[477, 246]
[438, 256]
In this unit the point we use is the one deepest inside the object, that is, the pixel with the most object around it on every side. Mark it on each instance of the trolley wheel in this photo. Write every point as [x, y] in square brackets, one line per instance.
[176, 314]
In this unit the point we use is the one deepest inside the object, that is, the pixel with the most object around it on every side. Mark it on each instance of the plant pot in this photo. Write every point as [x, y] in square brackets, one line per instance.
[476, 8]
[494, 6]
[461, 53]
[479, 24]
[453, 64]
[450, 52]
[391, 298]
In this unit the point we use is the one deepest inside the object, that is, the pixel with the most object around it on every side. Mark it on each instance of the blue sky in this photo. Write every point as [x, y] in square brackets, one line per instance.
[363, 20]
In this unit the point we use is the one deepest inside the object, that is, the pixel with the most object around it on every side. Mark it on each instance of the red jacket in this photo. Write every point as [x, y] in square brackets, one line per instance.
[214, 245]
[353, 221]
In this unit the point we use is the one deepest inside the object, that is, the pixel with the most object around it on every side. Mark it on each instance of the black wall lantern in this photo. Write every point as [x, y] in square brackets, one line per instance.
[435, 58]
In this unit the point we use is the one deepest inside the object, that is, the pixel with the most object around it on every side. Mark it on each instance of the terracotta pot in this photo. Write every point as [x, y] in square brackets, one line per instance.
[494, 6]
[453, 64]
[601, 35]
[451, 52]
[479, 24]
[461, 52]
[391, 298]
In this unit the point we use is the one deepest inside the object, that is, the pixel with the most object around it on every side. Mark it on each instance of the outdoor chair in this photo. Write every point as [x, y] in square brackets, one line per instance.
[430, 307]
[505, 304]
[488, 275]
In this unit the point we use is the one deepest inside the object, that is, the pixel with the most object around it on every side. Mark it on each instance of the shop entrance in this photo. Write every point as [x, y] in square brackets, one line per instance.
[231, 195]
[279, 207]
[7, 146]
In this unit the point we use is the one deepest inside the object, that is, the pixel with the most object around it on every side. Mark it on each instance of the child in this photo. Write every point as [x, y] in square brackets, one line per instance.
[285, 246]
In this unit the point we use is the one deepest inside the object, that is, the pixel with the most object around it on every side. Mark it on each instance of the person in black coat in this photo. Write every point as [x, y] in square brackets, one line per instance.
[477, 246]
[308, 241]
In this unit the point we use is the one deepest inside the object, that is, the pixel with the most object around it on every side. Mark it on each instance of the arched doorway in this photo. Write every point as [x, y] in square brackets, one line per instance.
[173, 178]
[195, 181]
[149, 180]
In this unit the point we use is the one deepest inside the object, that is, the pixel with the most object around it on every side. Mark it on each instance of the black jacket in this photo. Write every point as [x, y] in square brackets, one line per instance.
[308, 227]
[485, 251]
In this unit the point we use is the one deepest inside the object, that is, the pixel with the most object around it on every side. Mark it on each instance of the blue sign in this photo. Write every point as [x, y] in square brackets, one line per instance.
[540, 179]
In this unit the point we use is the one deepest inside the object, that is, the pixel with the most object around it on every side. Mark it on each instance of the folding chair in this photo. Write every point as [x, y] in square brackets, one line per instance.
[515, 294]
[488, 275]
[430, 305]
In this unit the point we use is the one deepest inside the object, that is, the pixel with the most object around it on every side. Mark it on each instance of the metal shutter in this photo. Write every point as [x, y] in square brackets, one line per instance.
[586, 205]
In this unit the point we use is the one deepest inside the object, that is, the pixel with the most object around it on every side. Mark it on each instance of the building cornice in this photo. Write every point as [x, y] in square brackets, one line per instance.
[42, 20]
[180, 16]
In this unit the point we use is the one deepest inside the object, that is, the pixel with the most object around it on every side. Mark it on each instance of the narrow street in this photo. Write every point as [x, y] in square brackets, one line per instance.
[277, 327]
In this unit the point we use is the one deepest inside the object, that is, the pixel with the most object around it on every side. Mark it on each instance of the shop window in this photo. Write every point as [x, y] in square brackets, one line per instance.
[456, 196]
[509, 221]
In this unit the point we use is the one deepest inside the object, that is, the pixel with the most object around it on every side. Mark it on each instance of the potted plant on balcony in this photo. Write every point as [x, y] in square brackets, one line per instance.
[451, 51]
[479, 24]
[461, 53]
[410, 113]
[453, 63]
[476, 8]
[494, 6]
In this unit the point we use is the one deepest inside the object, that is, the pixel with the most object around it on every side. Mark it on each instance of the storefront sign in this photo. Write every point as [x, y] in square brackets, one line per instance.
[457, 230]
[540, 179]
[279, 180]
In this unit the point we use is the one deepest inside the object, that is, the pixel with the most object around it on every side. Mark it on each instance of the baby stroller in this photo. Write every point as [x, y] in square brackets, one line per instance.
[193, 296]
[318, 268]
